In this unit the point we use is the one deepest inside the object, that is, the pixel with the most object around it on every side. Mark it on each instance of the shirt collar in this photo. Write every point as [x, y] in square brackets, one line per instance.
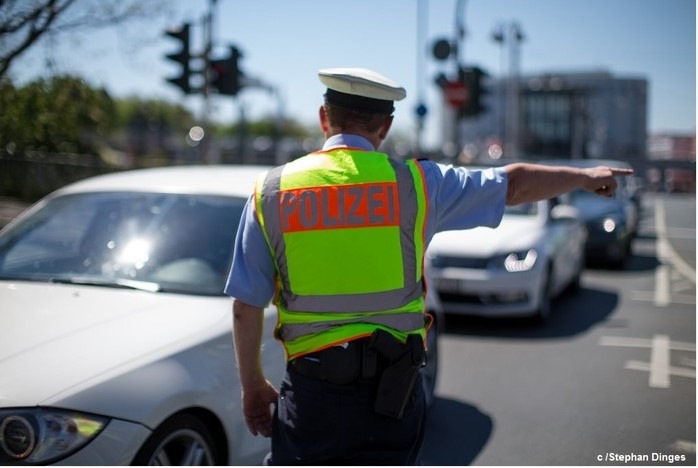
[347, 140]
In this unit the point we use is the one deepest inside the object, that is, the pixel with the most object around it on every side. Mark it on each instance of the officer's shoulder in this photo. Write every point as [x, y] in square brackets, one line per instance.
[419, 160]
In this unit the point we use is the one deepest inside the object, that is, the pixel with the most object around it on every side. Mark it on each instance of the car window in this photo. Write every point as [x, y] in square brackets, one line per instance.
[181, 243]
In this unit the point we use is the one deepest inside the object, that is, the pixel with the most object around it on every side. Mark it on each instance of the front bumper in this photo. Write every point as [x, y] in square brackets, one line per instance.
[607, 246]
[487, 292]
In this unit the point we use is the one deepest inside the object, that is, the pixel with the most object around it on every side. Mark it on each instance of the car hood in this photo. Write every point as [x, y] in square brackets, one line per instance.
[514, 233]
[58, 339]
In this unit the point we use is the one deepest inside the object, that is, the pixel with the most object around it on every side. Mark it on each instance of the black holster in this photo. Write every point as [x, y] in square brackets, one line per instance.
[401, 365]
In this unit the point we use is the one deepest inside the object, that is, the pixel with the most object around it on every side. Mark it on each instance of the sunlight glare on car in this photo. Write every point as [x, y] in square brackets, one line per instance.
[136, 253]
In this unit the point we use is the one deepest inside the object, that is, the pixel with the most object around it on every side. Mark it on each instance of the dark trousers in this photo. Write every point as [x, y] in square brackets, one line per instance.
[320, 423]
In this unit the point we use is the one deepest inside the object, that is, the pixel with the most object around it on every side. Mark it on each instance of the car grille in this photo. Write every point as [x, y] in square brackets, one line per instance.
[444, 261]
[485, 299]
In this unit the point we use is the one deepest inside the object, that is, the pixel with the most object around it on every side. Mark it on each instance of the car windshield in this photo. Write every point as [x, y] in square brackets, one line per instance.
[156, 242]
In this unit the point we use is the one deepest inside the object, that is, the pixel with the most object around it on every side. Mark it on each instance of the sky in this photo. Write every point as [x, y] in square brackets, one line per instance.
[285, 42]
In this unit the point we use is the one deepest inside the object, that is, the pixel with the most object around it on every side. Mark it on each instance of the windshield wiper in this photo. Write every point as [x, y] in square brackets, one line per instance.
[109, 283]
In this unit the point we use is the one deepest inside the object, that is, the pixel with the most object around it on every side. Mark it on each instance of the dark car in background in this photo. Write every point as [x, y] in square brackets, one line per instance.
[611, 222]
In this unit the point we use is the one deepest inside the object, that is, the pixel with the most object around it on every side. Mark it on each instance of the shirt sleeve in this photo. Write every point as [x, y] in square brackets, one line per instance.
[251, 277]
[460, 198]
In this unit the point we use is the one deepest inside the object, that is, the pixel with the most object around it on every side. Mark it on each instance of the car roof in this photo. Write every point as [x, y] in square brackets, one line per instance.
[229, 180]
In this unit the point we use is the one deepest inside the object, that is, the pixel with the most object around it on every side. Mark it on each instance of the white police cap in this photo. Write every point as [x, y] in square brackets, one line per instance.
[361, 89]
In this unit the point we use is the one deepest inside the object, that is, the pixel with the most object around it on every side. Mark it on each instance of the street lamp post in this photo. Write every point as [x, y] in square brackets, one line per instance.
[498, 37]
[421, 109]
[515, 37]
[459, 59]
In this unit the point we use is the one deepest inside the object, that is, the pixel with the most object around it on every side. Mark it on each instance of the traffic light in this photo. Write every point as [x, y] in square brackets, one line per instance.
[472, 77]
[181, 57]
[226, 74]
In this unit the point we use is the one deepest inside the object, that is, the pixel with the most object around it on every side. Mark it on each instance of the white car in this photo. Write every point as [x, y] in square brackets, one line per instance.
[115, 336]
[513, 270]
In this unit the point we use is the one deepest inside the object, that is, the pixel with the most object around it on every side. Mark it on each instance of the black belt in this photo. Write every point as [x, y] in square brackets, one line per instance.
[340, 364]
[361, 359]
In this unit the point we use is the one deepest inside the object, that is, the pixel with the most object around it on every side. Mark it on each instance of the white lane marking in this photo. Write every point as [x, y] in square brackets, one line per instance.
[647, 296]
[676, 371]
[684, 446]
[662, 286]
[665, 251]
[659, 367]
[659, 362]
[626, 342]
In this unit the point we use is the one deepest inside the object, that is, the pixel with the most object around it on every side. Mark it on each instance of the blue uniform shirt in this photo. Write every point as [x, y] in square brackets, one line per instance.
[458, 199]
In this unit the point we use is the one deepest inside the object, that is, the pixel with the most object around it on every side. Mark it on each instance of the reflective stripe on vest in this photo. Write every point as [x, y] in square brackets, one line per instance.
[306, 201]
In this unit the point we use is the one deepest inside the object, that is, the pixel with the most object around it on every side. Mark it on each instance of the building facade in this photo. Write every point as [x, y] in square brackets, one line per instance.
[590, 115]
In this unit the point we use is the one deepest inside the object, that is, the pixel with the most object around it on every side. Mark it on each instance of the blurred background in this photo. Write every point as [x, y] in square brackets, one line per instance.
[98, 86]
[91, 86]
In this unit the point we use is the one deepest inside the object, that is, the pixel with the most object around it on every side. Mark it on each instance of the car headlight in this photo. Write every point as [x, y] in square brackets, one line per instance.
[515, 261]
[40, 435]
[609, 224]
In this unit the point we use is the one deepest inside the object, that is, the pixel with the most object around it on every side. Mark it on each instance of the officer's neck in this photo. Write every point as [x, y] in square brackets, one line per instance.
[371, 137]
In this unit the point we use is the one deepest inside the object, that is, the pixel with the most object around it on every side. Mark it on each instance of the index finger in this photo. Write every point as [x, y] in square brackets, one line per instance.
[618, 171]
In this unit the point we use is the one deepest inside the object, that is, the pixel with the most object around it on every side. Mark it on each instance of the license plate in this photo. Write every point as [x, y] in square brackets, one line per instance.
[449, 285]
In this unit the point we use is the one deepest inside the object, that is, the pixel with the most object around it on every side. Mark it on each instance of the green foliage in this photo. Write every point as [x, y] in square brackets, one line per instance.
[63, 114]
[58, 114]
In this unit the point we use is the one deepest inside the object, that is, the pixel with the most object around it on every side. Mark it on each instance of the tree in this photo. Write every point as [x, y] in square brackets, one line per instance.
[59, 114]
[23, 23]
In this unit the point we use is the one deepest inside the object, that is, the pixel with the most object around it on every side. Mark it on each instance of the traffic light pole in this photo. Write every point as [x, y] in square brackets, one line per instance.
[457, 57]
[512, 119]
[206, 154]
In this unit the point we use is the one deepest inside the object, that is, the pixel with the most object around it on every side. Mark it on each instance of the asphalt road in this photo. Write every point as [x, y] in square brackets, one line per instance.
[610, 380]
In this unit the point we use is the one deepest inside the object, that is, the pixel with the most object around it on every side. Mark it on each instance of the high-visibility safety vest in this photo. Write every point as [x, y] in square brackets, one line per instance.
[346, 230]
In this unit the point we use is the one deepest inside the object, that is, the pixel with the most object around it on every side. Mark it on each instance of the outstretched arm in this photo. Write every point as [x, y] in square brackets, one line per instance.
[532, 182]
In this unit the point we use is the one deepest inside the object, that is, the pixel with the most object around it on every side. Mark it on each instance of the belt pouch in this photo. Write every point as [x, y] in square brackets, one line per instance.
[397, 379]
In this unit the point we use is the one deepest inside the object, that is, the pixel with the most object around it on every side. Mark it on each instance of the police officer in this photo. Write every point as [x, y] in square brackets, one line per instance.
[337, 238]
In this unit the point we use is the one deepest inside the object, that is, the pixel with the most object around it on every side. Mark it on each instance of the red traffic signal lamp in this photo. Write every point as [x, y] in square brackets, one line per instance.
[457, 94]
[472, 79]
[182, 57]
[226, 75]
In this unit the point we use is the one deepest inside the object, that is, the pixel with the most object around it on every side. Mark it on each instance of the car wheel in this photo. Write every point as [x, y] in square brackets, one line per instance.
[576, 283]
[545, 304]
[627, 253]
[429, 371]
[182, 440]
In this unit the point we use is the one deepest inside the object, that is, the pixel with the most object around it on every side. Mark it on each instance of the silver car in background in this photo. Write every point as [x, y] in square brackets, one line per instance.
[516, 269]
